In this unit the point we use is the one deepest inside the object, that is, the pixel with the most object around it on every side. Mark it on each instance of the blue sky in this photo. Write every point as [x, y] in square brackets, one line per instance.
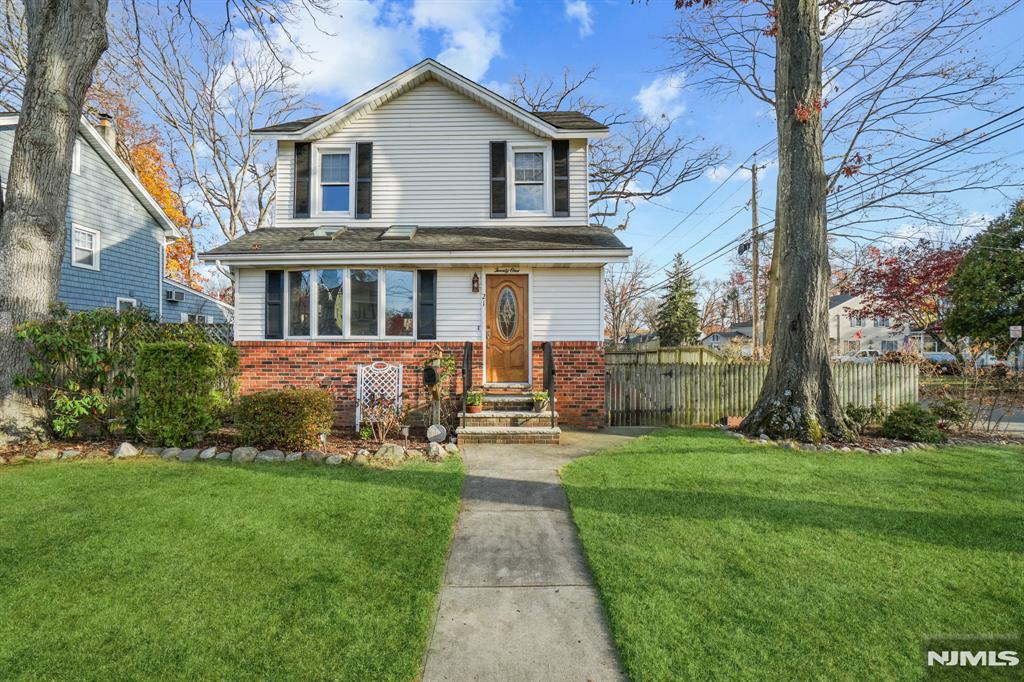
[495, 40]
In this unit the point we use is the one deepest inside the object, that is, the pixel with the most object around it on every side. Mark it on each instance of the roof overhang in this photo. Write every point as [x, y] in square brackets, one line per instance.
[120, 169]
[200, 294]
[449, 258]
[426, 70]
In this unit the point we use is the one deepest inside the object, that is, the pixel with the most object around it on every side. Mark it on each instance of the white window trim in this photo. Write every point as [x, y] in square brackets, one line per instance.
[206, 318]
[318, 151]
[125, 299]
[347, 335]
[510, 173]
[76, 158]
[98, 243]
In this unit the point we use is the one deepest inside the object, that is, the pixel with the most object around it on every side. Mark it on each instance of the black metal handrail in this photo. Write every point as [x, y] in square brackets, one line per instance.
[467, 372]
[549, 378]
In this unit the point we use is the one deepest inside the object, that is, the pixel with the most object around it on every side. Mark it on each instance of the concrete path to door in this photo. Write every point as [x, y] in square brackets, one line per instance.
[518, 602]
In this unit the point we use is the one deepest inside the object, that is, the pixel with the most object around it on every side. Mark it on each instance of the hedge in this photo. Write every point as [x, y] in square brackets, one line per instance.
[289, 420]
[184, 389]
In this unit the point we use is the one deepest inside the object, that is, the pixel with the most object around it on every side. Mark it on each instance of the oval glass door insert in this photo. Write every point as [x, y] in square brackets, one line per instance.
[508, 313]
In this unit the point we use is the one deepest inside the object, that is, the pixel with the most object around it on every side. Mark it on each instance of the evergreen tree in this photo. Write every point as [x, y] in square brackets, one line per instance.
[678, 317]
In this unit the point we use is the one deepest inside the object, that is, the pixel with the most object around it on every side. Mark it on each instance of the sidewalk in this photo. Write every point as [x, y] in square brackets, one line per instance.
[518, 602]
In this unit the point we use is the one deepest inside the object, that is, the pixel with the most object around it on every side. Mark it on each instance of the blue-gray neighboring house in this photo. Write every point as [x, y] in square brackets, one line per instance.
[116, 233]
[182, 303]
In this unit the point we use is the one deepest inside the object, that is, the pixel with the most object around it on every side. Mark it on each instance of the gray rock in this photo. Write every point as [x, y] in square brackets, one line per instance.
[95, 454]
[47, 455]
[151, 452]
[225, 455]
[125, 450]
[70, 454]
[436, 433]
[414, 453]
[188, 455]
[270, 456]
[827, 448]
[244, 454]
[170, 453]
[391, 452]
[451, 448]
[808, 447]
[293, 457]
[763, 437]
[360, 459]
[861, 450]
[789, 445]
[435, 451]
[313, 456]
[363, 451]
[846, 448]
[208, 453]
[884, 451]
[333, 460]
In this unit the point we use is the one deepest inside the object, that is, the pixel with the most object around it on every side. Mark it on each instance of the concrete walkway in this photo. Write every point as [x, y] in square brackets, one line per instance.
[518, 602]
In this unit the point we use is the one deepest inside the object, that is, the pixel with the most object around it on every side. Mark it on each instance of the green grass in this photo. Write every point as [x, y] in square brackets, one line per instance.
[718, 559]
[160, 570]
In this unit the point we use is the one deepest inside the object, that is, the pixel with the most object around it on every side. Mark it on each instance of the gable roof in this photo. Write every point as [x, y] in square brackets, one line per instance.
[121, 170]
[552, 124]
[838, 300]
[202, 294]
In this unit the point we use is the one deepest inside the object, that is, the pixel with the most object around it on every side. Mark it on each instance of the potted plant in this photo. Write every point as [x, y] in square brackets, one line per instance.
[541, 400]
[474, 402]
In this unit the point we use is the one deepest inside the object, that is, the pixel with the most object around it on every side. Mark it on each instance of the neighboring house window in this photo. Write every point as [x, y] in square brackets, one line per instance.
[126, 303]
[85, 248]
[856, 321]
[195, 318]
[530, 181]
[851, 345]
[335, 173]
[881, 322]
[888, 346]
[351, 303]
[76, 158]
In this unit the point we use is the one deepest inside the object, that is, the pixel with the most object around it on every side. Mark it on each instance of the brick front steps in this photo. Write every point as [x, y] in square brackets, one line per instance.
[505, 435]
[507, 418]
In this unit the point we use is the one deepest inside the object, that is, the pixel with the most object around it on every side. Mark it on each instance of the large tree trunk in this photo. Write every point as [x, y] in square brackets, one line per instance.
[798, 399]
[65, 41]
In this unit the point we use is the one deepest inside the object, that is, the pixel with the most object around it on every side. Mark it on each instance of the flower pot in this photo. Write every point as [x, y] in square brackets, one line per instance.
[540, 405]
[473, 409]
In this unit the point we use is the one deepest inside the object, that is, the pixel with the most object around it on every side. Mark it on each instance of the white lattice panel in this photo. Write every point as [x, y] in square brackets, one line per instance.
[379, 380]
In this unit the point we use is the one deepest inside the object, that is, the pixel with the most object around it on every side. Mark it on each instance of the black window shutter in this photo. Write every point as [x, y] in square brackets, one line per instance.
[426, 306]
[560, 176]
[364, 179]
[300, 207]
[274, 305]
[499, 181]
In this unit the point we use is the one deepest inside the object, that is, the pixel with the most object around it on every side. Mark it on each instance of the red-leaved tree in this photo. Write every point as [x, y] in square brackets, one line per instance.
[909, 284]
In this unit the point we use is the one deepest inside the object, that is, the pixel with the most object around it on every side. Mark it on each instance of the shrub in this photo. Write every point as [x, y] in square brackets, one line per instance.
[184, 389]
[912, 422]
[863, 416]
[952, 413]
[290, 420]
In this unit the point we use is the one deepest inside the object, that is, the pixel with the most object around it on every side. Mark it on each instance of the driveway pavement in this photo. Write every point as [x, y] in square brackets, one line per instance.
[518, 602]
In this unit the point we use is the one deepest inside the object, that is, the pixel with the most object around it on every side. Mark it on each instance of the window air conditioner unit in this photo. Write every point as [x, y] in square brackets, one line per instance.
[174, 296]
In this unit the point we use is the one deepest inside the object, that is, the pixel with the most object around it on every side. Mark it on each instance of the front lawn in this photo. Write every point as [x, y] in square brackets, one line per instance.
[722, 559]
[163, 570]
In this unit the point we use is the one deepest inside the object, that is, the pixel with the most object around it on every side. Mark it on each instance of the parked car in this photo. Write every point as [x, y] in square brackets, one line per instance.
[865, 356]
[943, 362]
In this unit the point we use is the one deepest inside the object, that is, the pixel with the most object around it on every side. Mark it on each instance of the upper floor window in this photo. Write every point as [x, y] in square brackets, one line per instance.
[882, 322]
[85, 248]
[335, 169]
[856, 321]
[76, 158]
[531, 185]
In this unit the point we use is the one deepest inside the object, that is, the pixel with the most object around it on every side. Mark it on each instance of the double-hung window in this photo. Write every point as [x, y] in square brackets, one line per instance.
[351, 303]
[85, 248]
[335, 181]
[530, 180]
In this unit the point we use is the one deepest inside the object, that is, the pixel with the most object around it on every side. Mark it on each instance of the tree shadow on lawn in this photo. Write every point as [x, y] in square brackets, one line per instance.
[994, 533]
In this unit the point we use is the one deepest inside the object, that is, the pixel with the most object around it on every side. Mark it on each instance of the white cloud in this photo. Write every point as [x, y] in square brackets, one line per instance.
[662, 97]
[364, 43]
[470, 31]
[579, 10]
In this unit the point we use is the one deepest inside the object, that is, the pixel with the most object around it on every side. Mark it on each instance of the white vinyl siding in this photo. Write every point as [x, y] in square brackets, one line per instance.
[566, 304]
[431, 163]
[459, 310]
[252, 287]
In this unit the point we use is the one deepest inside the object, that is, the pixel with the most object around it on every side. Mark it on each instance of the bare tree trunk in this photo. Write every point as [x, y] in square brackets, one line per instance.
[798, 398]
[65, 41]
[771, 301]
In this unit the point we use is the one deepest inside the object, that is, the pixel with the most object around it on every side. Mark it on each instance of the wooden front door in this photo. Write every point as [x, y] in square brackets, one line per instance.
[508, 348]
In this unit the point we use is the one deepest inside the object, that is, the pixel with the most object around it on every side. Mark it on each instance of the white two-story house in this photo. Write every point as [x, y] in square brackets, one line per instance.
[428, 212]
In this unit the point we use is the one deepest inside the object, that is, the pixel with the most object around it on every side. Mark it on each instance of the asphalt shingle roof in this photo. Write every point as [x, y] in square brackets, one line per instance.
[367, 239]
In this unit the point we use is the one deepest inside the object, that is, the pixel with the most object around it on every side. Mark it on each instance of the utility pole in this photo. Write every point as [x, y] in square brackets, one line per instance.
[755, 242]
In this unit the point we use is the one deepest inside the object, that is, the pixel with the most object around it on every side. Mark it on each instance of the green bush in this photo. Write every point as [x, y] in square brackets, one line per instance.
[912, 422]
[952, 413]
[863, 416]
[184, 389]
[289, 420]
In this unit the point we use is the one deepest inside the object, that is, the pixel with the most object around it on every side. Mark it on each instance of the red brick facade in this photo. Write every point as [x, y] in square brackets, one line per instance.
[332, 366]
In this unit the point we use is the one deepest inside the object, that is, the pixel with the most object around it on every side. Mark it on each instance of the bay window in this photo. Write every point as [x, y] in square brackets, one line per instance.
[350, 303]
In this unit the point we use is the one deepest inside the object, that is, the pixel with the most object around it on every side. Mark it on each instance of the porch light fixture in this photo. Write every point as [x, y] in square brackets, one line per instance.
[476, 283]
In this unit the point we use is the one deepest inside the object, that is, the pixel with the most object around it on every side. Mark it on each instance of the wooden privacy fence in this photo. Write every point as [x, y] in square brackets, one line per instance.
[687, 393]
[664, 356]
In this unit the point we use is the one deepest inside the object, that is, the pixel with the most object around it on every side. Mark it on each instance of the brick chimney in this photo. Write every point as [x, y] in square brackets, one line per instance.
[106, 130]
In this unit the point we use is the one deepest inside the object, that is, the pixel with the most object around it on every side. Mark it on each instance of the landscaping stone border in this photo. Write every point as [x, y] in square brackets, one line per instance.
[894, 448]
[387, 455]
